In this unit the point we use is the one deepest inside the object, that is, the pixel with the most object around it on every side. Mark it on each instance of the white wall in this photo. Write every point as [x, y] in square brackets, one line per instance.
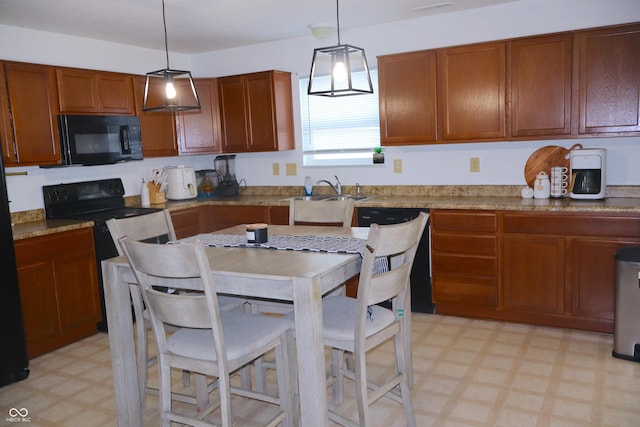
[500, 163]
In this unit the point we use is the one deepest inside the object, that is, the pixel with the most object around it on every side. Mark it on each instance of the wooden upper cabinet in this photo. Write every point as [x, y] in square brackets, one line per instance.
[199, 130]
[157, 128]
[472, 91]
[408, 103]
[87, 91]
[33, 106]
[6, 136]
[256, 112]
[541, 79]
[609, 80]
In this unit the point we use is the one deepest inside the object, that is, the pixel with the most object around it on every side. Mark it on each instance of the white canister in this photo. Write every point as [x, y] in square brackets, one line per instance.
[542, 186]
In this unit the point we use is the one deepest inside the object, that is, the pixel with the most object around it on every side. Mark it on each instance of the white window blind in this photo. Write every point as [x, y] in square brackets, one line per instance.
[342, 130]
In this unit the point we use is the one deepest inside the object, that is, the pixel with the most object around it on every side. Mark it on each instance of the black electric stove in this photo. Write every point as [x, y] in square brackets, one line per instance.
[96, 201]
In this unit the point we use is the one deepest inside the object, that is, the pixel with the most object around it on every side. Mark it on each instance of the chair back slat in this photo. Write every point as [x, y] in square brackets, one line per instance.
[325, 212]
[156, 225]
[183, 311]
[399, 241]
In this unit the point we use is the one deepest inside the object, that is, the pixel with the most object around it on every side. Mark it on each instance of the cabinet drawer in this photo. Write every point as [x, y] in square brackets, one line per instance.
[52, 246]
[466, 290]
[464, 244]
[576, 225]
[464, 221]
[464, 264]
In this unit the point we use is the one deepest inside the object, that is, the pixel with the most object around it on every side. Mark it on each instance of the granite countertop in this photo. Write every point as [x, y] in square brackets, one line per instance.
[507, 198]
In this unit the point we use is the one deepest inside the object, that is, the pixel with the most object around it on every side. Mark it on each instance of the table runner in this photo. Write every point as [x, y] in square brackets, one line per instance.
[312, 243]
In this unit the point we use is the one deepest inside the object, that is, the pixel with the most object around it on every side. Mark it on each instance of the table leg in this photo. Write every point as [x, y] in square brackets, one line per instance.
[123, 355]
[312, 382]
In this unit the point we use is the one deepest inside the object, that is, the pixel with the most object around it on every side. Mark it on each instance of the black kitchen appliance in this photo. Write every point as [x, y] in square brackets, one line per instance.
[99, 140]
[421, 297]
[14, 362]
[227, 183]
[96, 201]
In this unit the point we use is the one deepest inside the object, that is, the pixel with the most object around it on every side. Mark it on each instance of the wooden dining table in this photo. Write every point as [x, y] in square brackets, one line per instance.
[299, 276]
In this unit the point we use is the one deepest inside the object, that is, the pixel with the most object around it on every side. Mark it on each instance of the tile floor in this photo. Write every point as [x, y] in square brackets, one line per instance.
[467, 373]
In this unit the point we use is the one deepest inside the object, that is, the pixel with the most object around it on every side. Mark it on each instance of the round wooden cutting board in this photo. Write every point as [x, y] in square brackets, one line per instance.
[544, 158]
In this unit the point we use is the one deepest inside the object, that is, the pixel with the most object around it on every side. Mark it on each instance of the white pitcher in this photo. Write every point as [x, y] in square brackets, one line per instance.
[542, 186]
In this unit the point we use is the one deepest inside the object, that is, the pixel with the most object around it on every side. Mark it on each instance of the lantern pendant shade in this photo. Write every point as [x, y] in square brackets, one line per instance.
[157, 93]
[340, 70]
[169, 90]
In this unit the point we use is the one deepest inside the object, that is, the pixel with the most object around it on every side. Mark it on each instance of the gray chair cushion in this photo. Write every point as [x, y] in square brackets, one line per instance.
[243, 333]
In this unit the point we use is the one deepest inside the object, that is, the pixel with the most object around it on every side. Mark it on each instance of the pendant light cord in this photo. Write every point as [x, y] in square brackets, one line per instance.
[166, 44]
[337, 19]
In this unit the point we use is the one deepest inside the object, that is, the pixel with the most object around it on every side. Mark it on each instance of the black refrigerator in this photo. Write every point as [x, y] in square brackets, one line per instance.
[14, 362]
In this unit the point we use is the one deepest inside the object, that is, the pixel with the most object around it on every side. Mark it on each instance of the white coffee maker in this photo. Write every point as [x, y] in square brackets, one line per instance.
[588, 173]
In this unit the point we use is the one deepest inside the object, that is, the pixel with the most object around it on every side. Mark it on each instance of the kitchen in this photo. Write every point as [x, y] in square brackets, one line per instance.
[501, 163]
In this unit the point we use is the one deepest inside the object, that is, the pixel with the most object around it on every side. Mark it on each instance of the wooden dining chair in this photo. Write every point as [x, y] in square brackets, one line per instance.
[209, 341]
[357, 325]
[321, 212]
[156, 227]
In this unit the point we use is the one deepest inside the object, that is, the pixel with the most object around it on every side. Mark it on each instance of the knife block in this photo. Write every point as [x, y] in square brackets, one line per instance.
[156, 197]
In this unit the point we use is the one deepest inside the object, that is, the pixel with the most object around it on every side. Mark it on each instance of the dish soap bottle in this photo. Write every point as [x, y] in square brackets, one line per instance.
[308, 186]
[144, 195]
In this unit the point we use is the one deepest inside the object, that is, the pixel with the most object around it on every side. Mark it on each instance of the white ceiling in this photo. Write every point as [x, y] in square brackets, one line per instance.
[195, 26]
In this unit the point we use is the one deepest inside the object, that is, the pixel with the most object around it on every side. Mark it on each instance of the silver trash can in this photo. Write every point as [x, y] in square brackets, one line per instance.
[626, 339]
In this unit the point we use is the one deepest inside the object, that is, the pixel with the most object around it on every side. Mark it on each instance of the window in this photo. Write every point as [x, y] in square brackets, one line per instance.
[342, 130]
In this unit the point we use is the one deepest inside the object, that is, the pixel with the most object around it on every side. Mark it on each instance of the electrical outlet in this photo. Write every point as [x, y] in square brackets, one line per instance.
[292, 169]
[397, 166]
[474, 164]
[276, 169]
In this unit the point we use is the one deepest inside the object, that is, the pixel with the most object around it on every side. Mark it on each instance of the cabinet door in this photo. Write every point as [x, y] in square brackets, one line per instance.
[78, 303]
[186, 222]
[157, 129]
[199, 130]
[593, 276]
[533, 273]
[472, 90]
[6, 136]
[260, 112]
[609, 79]
[232, 114]
[115, 93]
[541, 76]
[39, 307]
[33, 106]
[77, 91]
[408, 103]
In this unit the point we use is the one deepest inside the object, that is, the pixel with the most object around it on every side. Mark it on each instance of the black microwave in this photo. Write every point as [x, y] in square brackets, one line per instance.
[99, 140]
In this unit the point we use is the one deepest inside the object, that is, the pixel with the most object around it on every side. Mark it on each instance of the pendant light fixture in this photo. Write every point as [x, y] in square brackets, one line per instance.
[169, 90]
[340, 70]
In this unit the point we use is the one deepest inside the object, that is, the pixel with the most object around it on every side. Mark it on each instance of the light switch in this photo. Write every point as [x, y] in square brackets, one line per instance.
[276, 168]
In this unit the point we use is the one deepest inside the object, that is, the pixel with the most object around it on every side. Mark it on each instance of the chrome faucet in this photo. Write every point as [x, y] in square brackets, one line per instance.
[337, 188]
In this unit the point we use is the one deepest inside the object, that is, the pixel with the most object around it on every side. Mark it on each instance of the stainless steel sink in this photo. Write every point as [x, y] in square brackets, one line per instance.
[318, 197]
[328, 197]
[349, 196]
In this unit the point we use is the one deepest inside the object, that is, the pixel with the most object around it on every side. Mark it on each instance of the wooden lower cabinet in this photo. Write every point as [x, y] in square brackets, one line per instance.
[189, 222]
[207, 218]
[58, 288]
[554, 269]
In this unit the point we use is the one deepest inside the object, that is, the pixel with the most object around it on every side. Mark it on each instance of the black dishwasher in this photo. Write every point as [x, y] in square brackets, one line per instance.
[421, 300]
